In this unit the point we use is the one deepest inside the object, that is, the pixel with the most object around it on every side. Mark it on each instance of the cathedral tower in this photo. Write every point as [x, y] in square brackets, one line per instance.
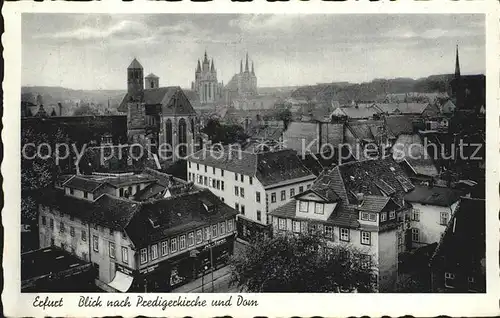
[206, 84]
[136, 117]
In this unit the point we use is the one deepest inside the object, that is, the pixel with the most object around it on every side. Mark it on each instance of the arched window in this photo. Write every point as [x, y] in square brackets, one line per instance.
[182, 137]
[168, 131]
[192, 126]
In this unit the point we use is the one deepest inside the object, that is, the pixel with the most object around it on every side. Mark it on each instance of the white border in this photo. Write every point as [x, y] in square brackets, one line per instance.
[17, 304]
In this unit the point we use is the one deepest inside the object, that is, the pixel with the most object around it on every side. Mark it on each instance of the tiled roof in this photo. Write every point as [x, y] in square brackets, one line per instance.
[84, 184]
[163, 96]
[345, 216]
[118, 182]
[176, 214]
[365, 130]
[236, 161]
[417, 157]
[358, 112]
[108, 211]
[374, 203]
[135, 64]
[404, 108]
[326, 193]
[279, 166]
[463, 244]
[398, 125]
[433, 196]
[332, 179]
[285, 211]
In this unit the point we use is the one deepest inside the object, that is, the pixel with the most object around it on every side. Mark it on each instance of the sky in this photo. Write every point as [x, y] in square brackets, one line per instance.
[92, 51]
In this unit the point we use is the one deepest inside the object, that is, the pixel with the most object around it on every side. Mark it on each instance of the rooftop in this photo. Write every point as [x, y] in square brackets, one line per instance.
[438, 196]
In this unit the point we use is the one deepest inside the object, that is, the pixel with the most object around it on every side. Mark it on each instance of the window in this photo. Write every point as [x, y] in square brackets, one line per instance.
[273, 197]
[242, 209]
[182, 242]
[373, 217]
[366, 261]
[257, 196]
[71, 191]
[308, 186]
[236, 191]
[229, 225]
[214, 230]
[344, 234]
[61, 227]
[218, 184]
[392, 215]
[173, 245]
[444, 218]
[112, 250]
[205, 180]
[301, 189]
[303, 206]
[144, 255]
[296, 226]
[365, 238]
[197, 166]
[250, 179]
[364, 216]
[303, 227]
[283, 195]
[282, 224]
[292, 192]
[85, 195]
[44, 221]
[96, 243]
[242, 177]
[124, 254]
[329, 231]
[259, 215]
[199, 236]
[52, 223]
[191, 239]
[235, 176]
[221, 172]
[222, 185]
[237, 207]
[213, 170]
[242, 192]
[207, 233]
[189, 163]
[383, 216]
[319, 208]
[449, 280]
[72, 231]
[206, 168]
[415, 235]
[121, 192]
[415, 215]
[84, 236]
[164, 248]
[222, 228]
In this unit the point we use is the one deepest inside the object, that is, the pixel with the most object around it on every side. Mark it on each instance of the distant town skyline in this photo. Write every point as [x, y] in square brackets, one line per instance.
[92, 51]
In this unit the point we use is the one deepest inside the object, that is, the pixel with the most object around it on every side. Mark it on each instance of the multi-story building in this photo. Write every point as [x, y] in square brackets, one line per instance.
[252, 183]
[144, 232]
[160, 116]
[358, 204]
[431, 210]
[459, 262]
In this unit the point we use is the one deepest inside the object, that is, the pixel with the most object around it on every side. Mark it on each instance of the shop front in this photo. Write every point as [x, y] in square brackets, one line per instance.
[181, 269]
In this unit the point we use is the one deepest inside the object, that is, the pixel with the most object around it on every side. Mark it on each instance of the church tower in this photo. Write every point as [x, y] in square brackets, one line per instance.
[206, 84]
[458, 89]
[136, 117]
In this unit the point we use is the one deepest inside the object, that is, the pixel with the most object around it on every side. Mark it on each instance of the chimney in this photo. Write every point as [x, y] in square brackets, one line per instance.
[60, 108]
[360, 197]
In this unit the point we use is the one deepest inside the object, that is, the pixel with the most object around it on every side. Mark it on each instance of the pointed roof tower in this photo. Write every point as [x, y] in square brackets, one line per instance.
[246, 64]
[212, 68]
[253, 70]
[198, 68]
[241, 66]
[457, 65]
[205, 60]
[135, 64]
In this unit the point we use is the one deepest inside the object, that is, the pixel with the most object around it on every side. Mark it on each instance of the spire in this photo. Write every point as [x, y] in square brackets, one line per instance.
[246, 64]
[241, 66]
[135, 64]
[198, 68]
[253, 70]
[212, 68]
[457, 65]
[206, 59]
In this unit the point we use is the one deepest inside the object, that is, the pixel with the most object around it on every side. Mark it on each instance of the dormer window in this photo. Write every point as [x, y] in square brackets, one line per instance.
[303, 206]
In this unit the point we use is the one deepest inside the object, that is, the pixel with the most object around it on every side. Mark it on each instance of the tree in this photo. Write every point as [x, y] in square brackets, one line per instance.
[224, 134]
[300, 263]
[85, 110]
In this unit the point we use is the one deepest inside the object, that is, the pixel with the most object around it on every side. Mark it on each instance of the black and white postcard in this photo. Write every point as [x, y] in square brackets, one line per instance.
[170, 161]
